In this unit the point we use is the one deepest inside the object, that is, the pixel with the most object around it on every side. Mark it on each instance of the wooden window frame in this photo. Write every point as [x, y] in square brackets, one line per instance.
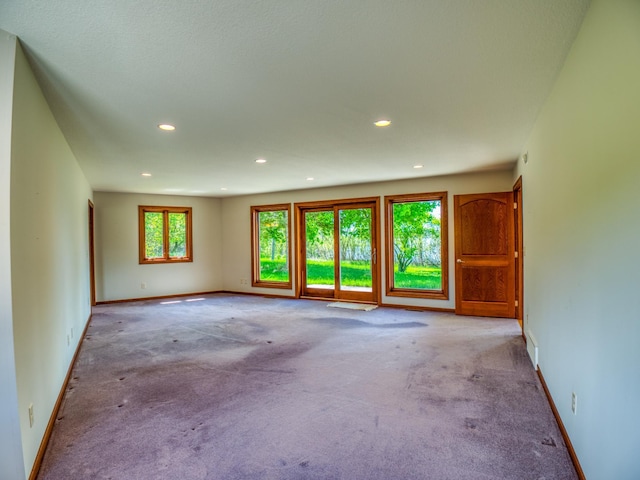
[255, 246]
[142, 209]
[391, 290]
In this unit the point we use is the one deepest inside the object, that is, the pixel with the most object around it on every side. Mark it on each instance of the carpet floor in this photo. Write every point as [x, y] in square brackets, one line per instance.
[241, 387]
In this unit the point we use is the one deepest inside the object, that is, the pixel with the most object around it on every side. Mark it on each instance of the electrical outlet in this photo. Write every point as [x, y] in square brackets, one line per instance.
[574, 402]
[31, 415]
[244, 281]
[143, 285]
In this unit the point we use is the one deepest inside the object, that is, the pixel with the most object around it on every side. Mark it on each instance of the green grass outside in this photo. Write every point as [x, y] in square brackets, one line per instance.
[273, 270]
[354, 274]
[423, 278]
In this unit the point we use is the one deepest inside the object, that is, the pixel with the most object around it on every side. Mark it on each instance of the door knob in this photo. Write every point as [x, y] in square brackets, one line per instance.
[459, 261]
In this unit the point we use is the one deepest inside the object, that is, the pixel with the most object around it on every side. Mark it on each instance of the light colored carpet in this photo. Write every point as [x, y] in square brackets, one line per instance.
[366, 307]
[244, 387]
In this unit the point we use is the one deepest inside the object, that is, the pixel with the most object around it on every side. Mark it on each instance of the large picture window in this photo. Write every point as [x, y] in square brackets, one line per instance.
[164, 234]
[271, 246]
[416, 245]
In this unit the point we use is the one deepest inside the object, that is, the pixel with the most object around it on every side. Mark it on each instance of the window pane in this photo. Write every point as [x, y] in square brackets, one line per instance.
[417, 261]
[319, 249]
[274, 248]
[153, 231]
[355, 249]
[177, 235]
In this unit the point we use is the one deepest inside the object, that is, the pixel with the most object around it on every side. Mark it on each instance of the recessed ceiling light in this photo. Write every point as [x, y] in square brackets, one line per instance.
[382, 123]
[418, 166]
[261, 160]
[166, 127]
[223, 188]
[310, 179]
[145, 174]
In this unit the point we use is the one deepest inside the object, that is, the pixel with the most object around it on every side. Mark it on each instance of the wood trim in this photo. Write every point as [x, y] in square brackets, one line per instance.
[333, 299]
[56, 408]
[92, 253]
[159, 297]
[418, 308]
[563, 431]
[519, 246]
[256, 294]
[255, 246]
[391, 290]
[321, 204]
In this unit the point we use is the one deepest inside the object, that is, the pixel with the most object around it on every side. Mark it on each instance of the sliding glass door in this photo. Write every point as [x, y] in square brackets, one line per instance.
[338, 250]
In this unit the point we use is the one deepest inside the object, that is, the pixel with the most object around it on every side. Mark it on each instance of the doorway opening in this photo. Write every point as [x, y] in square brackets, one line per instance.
[519, 248]
[92, 264]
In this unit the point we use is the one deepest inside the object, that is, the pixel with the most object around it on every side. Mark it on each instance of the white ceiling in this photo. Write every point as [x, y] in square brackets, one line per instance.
[298, 82]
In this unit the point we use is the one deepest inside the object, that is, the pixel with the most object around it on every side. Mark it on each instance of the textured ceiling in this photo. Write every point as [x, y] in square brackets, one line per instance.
[298, 82]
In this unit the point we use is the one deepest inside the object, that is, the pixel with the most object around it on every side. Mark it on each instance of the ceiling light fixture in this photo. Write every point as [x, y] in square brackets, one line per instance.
[224, 189]
[310, 179]
[382, 123]
[261, 160]
[145, 174]
[166, 127]
[418, 166]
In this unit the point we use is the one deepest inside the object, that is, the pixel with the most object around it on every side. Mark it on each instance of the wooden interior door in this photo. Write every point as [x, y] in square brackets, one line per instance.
[485, 254]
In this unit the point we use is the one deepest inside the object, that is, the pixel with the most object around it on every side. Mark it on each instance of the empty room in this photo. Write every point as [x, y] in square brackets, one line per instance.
[302, 239]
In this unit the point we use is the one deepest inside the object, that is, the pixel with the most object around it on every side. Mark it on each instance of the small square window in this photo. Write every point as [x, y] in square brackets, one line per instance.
[164, 234]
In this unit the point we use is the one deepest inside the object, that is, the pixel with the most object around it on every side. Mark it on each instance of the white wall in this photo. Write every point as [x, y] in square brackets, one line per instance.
[49, 255]
[119, 275]
[581, 190]
[237, 223]
[11, 459]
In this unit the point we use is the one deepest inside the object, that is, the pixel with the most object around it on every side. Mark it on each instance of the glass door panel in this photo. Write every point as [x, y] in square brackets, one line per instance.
[320, 250]
[355, 272]
[336, 251]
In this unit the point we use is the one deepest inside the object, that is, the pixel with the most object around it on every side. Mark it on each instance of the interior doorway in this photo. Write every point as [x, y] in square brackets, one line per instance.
[92, 264]
[337, 250]
[519, 252]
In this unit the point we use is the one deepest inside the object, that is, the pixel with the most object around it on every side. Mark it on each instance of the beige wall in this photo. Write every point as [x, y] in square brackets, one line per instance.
[581, 190]
[236, 235]
[49, 255]
[11, 459]
[118, 273]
